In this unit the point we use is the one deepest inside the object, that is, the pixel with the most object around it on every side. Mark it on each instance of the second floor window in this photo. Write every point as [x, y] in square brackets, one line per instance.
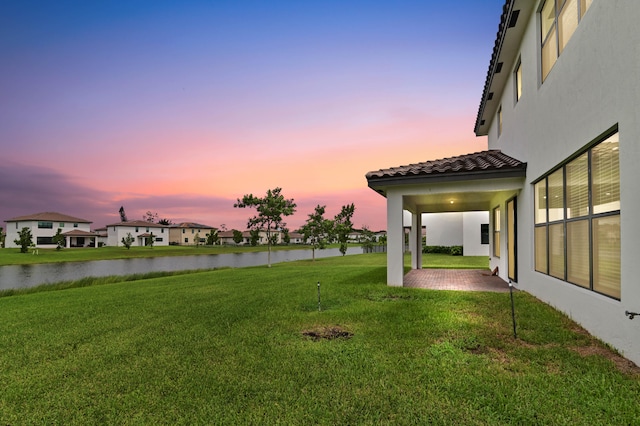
[558, 21]
[518, 81]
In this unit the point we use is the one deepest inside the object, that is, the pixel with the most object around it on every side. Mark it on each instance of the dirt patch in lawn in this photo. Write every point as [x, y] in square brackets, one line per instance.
[327, 333]
[623, 365]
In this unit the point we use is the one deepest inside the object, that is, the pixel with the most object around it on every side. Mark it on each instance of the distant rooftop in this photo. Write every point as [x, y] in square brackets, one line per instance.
[49, 217]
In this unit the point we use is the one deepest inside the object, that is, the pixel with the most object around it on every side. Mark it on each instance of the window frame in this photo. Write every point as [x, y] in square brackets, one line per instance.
[517, 81]
[566, 222]
[495, 249]
[554, 33]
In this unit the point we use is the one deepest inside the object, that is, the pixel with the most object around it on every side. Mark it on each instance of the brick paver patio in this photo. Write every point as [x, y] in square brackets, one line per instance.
[455, 279]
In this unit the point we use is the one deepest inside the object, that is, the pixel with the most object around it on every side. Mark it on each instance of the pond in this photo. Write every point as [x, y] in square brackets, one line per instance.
[24, 276]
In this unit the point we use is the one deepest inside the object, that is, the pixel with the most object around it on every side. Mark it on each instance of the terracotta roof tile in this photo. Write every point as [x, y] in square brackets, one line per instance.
[191, 225]
[80, 233]
[484, 161]
[140, 223]
[49, 217]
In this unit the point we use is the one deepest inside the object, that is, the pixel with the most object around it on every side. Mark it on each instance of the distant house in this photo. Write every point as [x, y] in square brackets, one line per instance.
[296, 238]
[102, 236]
[355, 236]
[185, 233]
[44, 226]
[140, 230]
[226, 237]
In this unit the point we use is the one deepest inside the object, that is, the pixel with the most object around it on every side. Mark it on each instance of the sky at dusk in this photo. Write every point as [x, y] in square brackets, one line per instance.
[181, 107]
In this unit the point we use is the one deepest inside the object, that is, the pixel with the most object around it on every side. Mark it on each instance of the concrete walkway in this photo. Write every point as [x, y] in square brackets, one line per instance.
[455, 279]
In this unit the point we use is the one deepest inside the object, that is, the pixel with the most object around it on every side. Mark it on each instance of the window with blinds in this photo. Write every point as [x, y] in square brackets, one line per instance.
[577, 219]
[559, 19]
[496, 232]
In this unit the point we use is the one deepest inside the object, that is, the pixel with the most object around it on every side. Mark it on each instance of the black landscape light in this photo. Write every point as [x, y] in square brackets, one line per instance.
[513, 311]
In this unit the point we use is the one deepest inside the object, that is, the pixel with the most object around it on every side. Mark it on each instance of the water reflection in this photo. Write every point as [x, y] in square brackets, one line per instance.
[24, 276]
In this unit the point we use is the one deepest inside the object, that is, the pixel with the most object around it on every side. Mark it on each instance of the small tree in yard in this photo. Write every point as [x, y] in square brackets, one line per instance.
[271, 210]
[368, 238]
[127, 241]
[150, 240]
[286, 239]
[237, 236]
[254, 236]
[317, 230]
[343, 226]
[25, 239]
[58, 239]
[212, 238]
[196, 239]
[2, 237]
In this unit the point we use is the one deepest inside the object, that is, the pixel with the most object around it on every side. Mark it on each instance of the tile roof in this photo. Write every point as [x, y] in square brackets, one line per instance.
[139, 223]
[502, 28]
[479, 162]
[191, 225]
[80, 233]
[50, 217]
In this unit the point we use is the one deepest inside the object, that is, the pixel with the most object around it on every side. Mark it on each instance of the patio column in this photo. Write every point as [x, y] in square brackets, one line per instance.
[395, 240]
[415, 241]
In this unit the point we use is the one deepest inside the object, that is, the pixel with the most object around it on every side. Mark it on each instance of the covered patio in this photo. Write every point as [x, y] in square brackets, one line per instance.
[479, 181]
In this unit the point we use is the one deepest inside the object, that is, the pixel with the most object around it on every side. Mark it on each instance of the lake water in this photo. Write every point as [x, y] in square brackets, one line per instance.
[24, 276]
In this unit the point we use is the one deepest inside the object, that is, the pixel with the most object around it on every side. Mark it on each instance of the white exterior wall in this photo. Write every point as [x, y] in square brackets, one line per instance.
[454, 229]
[471, 233]
[14, 227]
[444, 229]
[115, 234]
[592, 87]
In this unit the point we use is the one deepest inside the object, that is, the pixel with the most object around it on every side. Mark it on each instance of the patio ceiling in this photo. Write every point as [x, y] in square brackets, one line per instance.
[462, 201]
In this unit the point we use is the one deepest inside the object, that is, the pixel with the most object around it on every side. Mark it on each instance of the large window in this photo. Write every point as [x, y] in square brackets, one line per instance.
[577, 220]
[558, 21]
[45, 225]
[43, 241]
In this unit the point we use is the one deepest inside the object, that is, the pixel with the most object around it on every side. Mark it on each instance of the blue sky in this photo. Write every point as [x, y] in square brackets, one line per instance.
[181, 107]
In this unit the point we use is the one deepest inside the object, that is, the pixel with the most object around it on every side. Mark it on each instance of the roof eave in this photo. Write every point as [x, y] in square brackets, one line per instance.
[379, 184]
[513, 24]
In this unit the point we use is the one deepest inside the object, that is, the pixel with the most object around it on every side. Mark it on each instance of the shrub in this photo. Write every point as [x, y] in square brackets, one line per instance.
[452, 250]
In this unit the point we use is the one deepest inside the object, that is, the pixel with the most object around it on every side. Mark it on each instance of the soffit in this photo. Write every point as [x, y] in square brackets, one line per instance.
[513, 22]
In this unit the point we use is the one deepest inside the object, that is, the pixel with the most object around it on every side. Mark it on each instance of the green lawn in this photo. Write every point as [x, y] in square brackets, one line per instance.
[227, 347]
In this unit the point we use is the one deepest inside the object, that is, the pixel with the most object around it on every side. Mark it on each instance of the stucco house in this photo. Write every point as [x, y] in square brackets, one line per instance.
[140, 230]
[560, 111]
[296, 237]
[226, 237]
[45, 225]
[185, 233]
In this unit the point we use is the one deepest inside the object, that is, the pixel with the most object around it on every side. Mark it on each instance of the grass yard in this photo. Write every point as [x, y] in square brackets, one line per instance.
[248, 346]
